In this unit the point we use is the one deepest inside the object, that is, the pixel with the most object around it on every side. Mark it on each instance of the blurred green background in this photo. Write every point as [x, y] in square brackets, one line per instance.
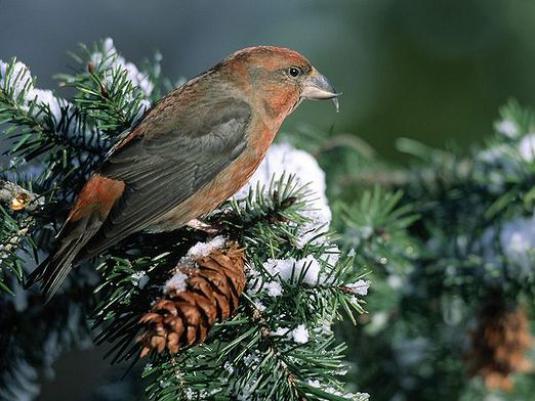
[433, 70]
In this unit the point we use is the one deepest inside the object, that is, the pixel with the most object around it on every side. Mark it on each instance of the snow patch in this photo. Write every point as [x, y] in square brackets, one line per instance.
[140, 279]
[508, 128]
[290, 270]
[300, 334]
[176, 283]
[20, 80]
[273, 289]
[201, 249]
[284, 158]
[526, 147]
[517, 239]
[359, 287]
[110, 59]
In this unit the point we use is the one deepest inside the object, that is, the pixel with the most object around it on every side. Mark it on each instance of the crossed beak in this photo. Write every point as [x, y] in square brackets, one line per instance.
[317, 87]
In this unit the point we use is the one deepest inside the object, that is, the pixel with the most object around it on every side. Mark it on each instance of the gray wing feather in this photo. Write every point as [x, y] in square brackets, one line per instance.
[161, 170]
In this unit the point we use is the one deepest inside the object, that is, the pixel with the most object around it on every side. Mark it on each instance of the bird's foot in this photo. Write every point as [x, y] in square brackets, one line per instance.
[196, 224]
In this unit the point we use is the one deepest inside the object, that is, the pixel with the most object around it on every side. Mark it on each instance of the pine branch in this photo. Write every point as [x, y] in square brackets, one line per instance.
[268, 222]
[19, 198]
[279, 340]
[32, 123]
[111, 92]
[113, 106]
[15, 230]
[472, 244]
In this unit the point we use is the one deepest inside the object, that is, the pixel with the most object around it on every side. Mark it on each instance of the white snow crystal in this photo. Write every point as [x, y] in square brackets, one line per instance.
[300, 334]
[517, 239]
[260, 306]
[144, 105]
[324, 327]
[359, 287]
[284, 158]
[228, 367]
[331, 255]
[280, 331]
[279, 267]
[290, 270]
[3, 71]
[140, 279]
[311, 268]
[251, 359]
[20, 75]
[201, 249]
[137, 77]
[190, 393]
[527, 147]
[313, 383]
[110, 59]
[350, 396]
[47, 98]
[507, 128]
[273, 288]
[176, 283]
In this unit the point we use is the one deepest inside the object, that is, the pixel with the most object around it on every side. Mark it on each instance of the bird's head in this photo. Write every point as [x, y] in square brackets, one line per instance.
[279, 78]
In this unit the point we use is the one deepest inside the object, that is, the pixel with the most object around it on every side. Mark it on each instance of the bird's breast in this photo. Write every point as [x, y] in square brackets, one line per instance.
[229, 181]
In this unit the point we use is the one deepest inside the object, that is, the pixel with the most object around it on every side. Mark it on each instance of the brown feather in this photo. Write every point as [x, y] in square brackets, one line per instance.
[99, 195]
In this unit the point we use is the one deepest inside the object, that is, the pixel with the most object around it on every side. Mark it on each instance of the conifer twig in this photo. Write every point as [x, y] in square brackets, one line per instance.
[19, 198]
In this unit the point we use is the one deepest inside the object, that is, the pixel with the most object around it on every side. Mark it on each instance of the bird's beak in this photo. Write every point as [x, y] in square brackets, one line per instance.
[317, 87]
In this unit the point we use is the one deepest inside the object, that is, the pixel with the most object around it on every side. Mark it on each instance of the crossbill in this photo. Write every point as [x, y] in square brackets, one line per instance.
[193, 150]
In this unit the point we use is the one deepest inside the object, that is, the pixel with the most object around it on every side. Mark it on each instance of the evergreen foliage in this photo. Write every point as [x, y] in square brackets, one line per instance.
[447, 243]
[455, 250]
[279, 344]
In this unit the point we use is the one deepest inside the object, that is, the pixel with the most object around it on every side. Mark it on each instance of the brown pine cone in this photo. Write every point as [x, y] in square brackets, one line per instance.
[184, 316]
[499, 345]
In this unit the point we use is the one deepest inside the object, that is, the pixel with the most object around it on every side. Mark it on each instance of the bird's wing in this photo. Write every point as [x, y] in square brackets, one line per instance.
[169, 163]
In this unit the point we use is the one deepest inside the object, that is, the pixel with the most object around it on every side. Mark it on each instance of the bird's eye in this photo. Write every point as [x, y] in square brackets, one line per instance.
[294, 71]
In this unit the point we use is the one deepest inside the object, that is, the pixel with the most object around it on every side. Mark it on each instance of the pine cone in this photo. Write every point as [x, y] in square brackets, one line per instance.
[499, 345]
[184, 316]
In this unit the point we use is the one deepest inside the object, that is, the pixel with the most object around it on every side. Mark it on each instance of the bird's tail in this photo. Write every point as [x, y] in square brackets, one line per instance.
[91, 208]
[52, 272]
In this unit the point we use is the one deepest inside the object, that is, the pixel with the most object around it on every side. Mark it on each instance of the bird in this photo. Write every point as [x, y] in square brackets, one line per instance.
[191, 151]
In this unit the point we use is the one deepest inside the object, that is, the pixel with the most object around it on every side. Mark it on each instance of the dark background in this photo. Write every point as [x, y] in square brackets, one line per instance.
[436, 71]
